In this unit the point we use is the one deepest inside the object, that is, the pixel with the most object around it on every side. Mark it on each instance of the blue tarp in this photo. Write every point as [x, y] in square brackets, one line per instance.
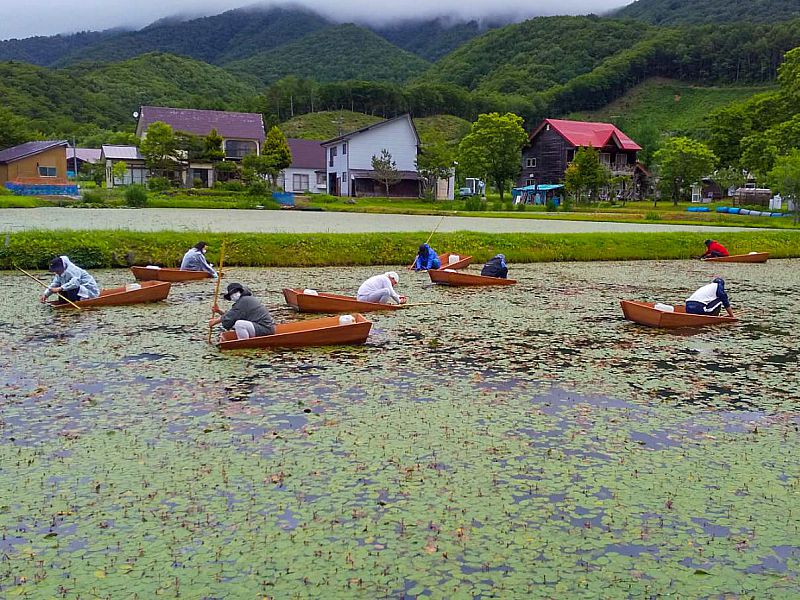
[283, 198]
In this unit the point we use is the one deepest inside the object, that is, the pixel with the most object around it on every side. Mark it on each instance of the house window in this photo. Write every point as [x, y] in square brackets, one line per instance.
[344, 148]
[530, 182]
[530, 162]
[605, 158]
[621, 160]
[239, 148]
[47, 172]
[320, 178]
[570, 155]
[300, 182]
[333, 154]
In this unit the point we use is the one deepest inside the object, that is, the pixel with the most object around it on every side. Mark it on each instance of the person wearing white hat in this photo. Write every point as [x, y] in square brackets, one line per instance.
[380, 288]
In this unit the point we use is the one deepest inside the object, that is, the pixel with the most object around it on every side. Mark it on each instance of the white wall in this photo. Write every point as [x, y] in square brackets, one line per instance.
[287, 177]
[396, 137]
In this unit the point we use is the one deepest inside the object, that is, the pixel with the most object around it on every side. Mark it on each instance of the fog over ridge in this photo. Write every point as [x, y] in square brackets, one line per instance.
[51, 17]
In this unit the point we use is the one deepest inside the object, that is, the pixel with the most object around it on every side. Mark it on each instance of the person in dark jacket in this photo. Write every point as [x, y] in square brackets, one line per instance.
[709, 299]
[714, 249]
[426, 259]
[248, 317]
[496, 267]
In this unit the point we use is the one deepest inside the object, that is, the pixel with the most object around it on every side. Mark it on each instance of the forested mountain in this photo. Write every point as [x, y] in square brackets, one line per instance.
[46, 50]
[434, 39]
[334, 54]
[682, 12]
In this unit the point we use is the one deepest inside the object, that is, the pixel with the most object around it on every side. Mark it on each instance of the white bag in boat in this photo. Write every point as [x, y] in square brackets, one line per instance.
[664, 307]
[310, 292]
[453, 258]
[152, 267]
[451, 270]
[347, 320]
[132, 286]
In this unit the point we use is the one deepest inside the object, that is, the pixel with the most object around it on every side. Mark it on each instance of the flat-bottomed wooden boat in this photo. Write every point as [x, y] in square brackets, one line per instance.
[753, 257]
[315, 332]
[330, 303]
[147, 291]
[455, 278]
[165, 274]
[645, 313]
[462, 263]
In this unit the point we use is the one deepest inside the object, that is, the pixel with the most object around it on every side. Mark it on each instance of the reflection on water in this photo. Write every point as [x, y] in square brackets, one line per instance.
[516, 442]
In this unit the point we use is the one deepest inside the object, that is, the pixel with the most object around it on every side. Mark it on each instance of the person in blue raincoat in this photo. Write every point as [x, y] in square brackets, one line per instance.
[70, 281]
[496, 267]
[195, 260]
[426, 259]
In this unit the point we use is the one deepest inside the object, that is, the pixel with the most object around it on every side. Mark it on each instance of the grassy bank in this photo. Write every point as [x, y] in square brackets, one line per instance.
[96, 249]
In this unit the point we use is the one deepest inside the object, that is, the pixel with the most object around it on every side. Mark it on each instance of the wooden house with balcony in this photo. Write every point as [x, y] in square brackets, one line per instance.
[552, 145]
[241, 133]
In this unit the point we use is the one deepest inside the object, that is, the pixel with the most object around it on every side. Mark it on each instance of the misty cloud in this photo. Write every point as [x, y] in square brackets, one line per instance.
[49, 17]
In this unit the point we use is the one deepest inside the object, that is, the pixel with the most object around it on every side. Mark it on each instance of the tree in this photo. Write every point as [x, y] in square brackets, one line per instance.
[276, 153]
[729, 177]
[435, 162]
[13, 129]
[119, 170]
[492, 148]
[585, 175]
[759, 153]
[160, 148]
[784, 178]
[255, 166]
[681, 162]
[212, 147]
[385, 169]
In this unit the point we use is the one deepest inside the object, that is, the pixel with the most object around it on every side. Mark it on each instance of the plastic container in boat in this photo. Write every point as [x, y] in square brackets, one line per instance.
[310, 292]
[453, 258]
[347, 320]
[132, 286]
[664, 307]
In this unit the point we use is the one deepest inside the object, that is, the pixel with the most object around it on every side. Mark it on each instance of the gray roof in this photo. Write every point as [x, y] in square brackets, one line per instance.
[350, 134]
[28, 149]
[90, 155]
[229, 125]
[306, 154]
[121, 153]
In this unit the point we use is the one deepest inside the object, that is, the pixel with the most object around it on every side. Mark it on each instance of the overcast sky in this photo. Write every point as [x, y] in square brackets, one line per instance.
[49, 17]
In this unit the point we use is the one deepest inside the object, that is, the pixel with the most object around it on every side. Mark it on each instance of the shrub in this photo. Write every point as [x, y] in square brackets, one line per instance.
[158, 184]
[258, 188]
[93, 197]
[551, 205]
[136, 196]
[521, 207]
[234, 186]
[652, 216]
[508, 205]
[474, 203]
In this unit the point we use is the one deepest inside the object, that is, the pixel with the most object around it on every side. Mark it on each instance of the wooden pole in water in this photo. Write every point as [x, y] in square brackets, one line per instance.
[216, 288]
[411, 266]
[42, 283]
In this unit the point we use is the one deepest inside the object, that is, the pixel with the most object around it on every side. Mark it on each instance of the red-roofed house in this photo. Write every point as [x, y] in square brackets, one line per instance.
[242, 133]
[308, 171]
[552, 145]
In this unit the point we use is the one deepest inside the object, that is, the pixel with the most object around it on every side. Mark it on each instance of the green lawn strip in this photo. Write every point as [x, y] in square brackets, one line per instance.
[96, 249]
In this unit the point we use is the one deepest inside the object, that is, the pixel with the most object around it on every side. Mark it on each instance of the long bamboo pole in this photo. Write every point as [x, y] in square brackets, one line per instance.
[411, 266]
[43, 284]
[216, 288]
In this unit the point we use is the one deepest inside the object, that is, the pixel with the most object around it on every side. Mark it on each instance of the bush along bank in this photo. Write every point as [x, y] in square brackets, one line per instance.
[104, 249]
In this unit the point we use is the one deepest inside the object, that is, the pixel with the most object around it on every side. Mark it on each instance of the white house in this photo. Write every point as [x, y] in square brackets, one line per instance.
[307, 175]
[349, 159]
[135, 169]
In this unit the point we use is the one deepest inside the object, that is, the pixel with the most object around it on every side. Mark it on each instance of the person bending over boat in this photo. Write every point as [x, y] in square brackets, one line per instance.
[709, 299]
[70, 281]
[195, 259]
[426, 259]
[496, 267]
[714, 249]
[248, 317]
[380, 288]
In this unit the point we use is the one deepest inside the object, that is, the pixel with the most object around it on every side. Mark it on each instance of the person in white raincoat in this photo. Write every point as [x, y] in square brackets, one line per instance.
[70, 281]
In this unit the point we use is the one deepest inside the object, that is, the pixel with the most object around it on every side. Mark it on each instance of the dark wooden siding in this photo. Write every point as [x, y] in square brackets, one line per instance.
[550, 151]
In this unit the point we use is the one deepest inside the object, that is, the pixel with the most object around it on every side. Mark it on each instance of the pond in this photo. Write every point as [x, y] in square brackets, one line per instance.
[512, 443]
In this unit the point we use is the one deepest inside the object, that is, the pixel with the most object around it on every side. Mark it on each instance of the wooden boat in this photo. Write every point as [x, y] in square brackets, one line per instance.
[462, 262]
[315, 332]
[330, 303]
[448, 277]
[753, 257]
[147, 291]
[645, 313]
[164, 274]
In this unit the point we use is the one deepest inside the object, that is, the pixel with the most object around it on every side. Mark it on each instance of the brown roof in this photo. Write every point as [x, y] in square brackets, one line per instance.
[307, 154]
[28, 149]
[230, 125]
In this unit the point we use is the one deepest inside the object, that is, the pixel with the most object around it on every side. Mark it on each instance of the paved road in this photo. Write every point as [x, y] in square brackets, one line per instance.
[273, 221]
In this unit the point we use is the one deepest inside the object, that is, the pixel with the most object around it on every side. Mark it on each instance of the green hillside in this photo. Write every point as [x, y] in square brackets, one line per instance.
[680, 12]
[46, 50]
[430, 40]
[334, 54]
[447, 127]
[105, 96]
[672, 107]
[325, 125]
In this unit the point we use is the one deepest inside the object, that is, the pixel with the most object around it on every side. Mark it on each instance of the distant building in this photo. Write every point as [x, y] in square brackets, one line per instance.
[241, 133]
[552, 145]
[77, 157]
[349, 159]
[36, 169]
[307, 174]
[136, 170]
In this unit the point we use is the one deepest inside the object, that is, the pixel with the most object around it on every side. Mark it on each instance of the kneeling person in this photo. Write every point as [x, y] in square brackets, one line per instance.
[496, 267]
[248, 317]
[709, 299]
[70, 282]
[380, 288]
